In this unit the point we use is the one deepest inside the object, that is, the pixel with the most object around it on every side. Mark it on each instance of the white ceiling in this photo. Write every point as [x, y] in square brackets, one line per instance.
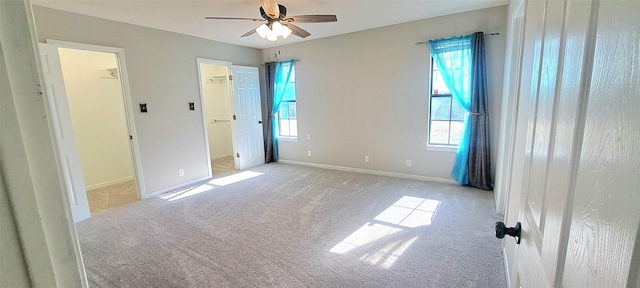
[187, 16]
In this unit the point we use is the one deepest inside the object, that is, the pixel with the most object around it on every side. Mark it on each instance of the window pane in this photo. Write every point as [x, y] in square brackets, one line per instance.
[292, 110]
[437, 84]
[440, 108]
[293, 127]
[292, 78]
[439, 133]
[456, 132]
[284, 113]
[290, 93]
[287, 122]
[284, 127]
[457, 112]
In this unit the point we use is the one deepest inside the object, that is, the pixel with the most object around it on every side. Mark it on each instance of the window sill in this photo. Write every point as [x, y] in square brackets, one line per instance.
[290, 139]
[442, 148]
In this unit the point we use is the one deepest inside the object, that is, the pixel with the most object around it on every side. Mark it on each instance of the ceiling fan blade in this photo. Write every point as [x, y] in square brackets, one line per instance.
[251, 32]
[295, 30]
[311, 18]
[232, 18]
[271, 8]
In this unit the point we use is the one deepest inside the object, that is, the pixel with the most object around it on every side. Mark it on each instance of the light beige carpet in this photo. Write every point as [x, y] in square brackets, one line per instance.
[281, 225]
[222, 165]
[123, 193]
[112, 196]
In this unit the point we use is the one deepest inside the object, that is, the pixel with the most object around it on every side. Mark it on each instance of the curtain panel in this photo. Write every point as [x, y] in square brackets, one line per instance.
[277, 76]
[461, 62]
[479, 157]
[453, 58]
[270, 154]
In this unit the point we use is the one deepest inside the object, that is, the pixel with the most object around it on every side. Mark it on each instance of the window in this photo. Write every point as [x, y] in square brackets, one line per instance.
[446, 116]
[287, 115]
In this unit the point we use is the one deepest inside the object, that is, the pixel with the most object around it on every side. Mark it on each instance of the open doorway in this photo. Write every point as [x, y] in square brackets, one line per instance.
[217, 105]
[92, 81]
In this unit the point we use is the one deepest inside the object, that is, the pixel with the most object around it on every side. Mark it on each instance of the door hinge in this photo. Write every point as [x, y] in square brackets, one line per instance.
[238, 155]
[231, 77]
[234, 117]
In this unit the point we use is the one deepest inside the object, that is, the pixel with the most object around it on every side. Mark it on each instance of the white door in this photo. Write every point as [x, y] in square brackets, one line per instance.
[248, 117]
[63, 129]
[580, 184]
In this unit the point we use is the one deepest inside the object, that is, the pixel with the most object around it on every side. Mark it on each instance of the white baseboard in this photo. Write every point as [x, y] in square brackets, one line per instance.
[178, 187]
[374, 172]
[108, 183]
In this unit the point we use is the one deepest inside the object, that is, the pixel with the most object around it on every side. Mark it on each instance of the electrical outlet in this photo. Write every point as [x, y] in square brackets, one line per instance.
[309, 153]
[408, 163]
[366, 159]
[180, 172]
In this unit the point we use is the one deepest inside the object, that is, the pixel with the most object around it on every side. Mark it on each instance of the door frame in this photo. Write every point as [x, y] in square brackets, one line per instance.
[128, 106]
[513, 113]
[510, 105]
[234, 141]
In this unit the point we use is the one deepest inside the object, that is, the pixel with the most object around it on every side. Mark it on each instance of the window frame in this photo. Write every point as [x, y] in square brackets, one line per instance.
[278, 114]
[429, 144]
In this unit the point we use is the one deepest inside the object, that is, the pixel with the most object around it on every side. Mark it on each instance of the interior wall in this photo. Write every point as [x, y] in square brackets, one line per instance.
[217, 102]
[98, 116]
[366, 94]
[162, 72]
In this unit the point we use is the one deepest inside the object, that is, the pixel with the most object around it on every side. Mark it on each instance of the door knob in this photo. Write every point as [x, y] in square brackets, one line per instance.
[502, 230]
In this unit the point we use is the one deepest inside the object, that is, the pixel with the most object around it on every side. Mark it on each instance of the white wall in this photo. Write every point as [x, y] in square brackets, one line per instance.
[217, 102]
[163, 73]
[97, 112]
[366, 93]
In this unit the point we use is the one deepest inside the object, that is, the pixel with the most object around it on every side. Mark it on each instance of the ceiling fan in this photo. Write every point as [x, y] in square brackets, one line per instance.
[278, 24]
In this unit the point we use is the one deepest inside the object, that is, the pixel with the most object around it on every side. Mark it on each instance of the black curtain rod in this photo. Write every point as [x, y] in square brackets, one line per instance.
[490, 34]
[297, 60]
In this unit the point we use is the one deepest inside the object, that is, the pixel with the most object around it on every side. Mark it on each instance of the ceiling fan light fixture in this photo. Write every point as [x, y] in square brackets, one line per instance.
[277, 22]
[285, 31]
[276, 27]
[272, 35]
[263, 30]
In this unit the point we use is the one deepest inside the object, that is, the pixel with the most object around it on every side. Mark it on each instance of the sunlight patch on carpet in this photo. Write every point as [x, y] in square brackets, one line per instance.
[410, 212]
[366, 234]
[388, 255]
[218, 182]
[380, 240]
[235, 178]
[187, 192]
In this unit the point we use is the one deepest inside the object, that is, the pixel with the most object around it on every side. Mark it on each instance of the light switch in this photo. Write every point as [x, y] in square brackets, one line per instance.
[192, 106]
[143, 107]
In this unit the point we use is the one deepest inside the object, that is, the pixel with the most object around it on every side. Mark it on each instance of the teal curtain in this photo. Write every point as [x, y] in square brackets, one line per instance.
[282, 90]
[453, 59]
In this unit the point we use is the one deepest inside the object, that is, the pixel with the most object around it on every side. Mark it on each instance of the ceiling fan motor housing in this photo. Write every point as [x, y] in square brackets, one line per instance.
[283, 12]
